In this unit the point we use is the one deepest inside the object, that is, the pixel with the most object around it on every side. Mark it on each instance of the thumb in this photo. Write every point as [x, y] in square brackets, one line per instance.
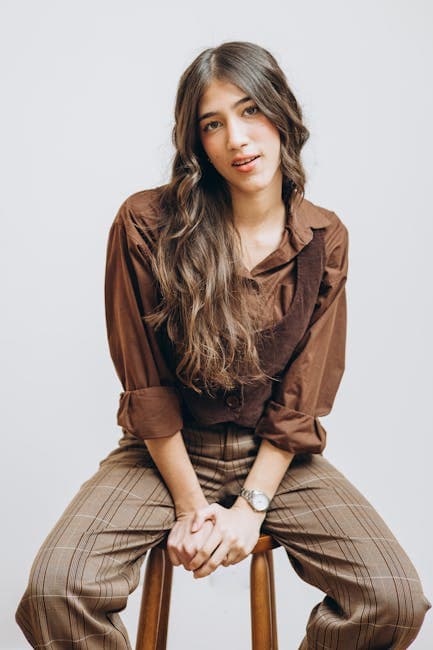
[201, 516]
[197, 523]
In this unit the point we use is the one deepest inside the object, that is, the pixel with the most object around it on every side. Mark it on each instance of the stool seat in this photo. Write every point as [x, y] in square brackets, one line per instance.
[155, 601]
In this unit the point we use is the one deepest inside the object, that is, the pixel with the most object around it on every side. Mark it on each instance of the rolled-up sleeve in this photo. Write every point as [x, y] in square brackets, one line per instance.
[310, 382]
[149, 405]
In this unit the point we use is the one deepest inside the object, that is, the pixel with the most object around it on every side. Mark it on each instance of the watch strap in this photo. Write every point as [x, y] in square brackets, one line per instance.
[249, 495]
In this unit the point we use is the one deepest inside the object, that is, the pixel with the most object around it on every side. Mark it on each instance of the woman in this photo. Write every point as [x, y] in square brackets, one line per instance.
[226, 320]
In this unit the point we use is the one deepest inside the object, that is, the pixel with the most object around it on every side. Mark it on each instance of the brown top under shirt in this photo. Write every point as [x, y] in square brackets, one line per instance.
[150, 405]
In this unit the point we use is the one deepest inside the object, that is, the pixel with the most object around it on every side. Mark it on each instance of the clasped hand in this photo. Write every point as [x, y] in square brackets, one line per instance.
[213, 535]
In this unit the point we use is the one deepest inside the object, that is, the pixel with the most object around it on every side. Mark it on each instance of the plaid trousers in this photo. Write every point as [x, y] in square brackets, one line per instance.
[90, 562]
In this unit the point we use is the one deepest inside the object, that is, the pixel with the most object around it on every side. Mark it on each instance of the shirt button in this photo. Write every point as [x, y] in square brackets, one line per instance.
[254, 284]
[233, 401]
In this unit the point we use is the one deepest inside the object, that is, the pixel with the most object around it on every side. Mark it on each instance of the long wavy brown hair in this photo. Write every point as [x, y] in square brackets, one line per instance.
[206, 304]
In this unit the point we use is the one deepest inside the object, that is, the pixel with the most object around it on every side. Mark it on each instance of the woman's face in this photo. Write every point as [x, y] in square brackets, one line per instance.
[232, 128]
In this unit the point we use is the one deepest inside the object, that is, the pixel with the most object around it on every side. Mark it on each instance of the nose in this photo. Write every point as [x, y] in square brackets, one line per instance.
[237, 135]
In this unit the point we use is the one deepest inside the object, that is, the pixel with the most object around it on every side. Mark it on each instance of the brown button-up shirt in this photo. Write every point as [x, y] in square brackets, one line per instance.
[150, 405]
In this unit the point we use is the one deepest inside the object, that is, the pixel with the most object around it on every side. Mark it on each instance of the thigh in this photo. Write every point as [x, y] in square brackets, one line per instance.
[104, 532]
[336, 540]
[121, 511]
[90, 561]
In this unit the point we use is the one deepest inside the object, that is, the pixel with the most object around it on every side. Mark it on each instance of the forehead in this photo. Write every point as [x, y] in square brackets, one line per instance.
[219, 94]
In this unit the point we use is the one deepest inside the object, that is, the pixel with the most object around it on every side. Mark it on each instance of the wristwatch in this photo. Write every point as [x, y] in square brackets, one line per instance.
[257, 499]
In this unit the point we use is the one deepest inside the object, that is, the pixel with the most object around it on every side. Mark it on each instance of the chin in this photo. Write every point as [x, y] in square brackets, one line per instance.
[254, 185]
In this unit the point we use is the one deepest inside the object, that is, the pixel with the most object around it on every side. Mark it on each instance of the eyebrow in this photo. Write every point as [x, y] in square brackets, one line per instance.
[212, 113]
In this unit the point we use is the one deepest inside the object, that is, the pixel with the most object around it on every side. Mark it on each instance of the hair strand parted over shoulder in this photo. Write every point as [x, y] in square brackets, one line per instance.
[207, 305]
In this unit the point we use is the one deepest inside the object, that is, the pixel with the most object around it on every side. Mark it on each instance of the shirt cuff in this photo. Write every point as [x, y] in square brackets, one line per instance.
[153, 412]
[291, 430]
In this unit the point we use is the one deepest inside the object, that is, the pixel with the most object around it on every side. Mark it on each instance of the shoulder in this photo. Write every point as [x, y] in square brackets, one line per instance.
[336, 235]
[314, 216]
[140, 216]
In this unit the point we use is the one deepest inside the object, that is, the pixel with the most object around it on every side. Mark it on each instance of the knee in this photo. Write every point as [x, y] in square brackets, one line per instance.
[406, 608]
[48, 575]
[63, 578]
[60, 576]
[401, 611]
[419, 606]
[47, 582]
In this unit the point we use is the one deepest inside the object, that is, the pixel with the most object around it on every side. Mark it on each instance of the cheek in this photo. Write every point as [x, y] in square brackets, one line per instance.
[268, 133]
[213, 148]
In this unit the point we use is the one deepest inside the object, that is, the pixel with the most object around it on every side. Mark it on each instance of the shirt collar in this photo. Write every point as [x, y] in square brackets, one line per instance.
[303, 217]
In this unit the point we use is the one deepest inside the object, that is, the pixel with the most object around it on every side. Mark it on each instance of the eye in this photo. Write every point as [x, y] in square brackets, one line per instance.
[210, 126]
[252, 110]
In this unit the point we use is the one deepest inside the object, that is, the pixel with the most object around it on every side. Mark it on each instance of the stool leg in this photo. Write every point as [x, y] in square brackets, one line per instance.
[263, 618]
[165, 602]
[270, 559]
[260, 603]
[154, 609]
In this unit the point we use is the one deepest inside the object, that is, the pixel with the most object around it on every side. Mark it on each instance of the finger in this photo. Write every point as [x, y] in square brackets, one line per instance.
[214, 561]
[226, 561]
[206, 549]
[236, 555]
[201, 516]
[198, 539]
[209, 546]
[189, 550]
[190, 544]
[172, 553]
[181, 547]
[202, 536]
[197, 523]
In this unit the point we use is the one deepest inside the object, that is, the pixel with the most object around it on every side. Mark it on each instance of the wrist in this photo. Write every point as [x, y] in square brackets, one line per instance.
[190, 501]
[242, 504]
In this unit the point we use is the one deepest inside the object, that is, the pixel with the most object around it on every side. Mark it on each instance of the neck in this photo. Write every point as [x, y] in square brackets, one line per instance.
[255, 211]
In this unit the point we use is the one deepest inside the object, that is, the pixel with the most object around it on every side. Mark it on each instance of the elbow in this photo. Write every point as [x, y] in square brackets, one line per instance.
[292, 430]
[153, 412]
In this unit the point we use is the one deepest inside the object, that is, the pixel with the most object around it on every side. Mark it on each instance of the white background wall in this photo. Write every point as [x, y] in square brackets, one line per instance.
[86, 117]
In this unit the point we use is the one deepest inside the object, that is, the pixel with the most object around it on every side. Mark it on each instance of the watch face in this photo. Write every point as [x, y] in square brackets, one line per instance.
[260, 501]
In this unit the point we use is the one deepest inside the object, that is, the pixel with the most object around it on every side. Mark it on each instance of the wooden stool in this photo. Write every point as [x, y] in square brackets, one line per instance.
[155, 601]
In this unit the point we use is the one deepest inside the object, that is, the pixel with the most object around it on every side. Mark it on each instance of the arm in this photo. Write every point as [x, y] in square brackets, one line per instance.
[174, 464]
[289, 423]
[236, 529]
[308, 387]
[172, 459]
[269, 467]
[149, 404]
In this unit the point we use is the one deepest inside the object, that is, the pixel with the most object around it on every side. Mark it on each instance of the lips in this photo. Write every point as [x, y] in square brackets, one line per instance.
[238, 162]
